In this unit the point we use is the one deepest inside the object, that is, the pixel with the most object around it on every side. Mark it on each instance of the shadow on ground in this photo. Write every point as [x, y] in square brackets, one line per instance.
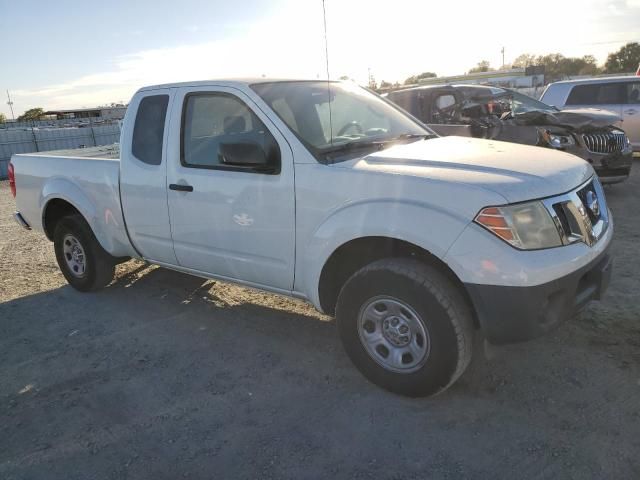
[164, 375]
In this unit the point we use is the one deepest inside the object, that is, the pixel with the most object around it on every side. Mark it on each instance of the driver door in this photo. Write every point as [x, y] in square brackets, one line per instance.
[228, 221]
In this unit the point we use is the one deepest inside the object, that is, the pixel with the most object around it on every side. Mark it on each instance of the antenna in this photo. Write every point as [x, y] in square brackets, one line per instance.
[326, 56]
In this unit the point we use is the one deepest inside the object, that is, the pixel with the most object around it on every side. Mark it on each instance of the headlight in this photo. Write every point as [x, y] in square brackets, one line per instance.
[526, 226]
[556, 140]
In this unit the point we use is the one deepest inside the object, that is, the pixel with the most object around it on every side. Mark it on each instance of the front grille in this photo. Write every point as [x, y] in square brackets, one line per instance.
[606, 142]
[580, 215]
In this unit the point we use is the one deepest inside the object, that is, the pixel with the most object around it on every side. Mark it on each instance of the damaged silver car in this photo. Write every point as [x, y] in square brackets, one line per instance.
[503, 114]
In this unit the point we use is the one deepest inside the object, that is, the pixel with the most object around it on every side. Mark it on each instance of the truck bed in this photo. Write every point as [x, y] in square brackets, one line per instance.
[84, 177]
[103, 152]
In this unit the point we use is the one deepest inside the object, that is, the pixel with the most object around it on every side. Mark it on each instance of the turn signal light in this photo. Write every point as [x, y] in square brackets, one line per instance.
[493, 219]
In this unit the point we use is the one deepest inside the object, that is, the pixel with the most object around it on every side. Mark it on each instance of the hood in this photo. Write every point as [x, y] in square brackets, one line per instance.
[579, 119]
[516, 172]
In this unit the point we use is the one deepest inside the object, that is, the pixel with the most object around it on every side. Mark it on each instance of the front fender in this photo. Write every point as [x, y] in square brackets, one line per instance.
[428, 227]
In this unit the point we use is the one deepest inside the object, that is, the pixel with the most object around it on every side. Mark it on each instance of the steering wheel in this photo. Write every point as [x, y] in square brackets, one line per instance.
[445, 114]
[352, 124]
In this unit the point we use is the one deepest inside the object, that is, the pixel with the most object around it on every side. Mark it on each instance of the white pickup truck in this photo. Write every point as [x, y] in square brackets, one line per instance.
[324, 191]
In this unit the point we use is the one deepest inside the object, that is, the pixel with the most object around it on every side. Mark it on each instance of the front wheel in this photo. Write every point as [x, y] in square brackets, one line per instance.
[405, 326]
[82, 260]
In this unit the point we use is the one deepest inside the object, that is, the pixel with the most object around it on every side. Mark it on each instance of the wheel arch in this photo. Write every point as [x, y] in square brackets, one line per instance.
[54, 210]
[351, 256]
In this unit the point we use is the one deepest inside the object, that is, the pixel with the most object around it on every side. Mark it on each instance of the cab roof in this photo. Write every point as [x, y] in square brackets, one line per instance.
[231, 82]
[619, 78]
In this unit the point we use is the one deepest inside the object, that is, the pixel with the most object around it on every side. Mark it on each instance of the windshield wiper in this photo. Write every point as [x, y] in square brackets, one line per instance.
[378, 144]
[409, 136]
[354, 145]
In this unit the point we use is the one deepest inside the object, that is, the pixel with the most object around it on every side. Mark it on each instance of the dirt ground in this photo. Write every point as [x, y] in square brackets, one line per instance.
[163, 375]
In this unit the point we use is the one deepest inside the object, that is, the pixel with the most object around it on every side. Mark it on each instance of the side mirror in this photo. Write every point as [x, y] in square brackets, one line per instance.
[250, 156]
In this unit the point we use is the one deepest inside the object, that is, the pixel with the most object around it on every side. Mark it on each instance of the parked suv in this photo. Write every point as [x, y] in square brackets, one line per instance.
[620, 95]
[502, 114]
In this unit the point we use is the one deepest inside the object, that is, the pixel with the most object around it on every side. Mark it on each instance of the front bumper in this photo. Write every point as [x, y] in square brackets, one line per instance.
[612, 168]
[514, 314]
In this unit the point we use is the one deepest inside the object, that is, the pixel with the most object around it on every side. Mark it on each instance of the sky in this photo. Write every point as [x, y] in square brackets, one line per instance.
[71, 54]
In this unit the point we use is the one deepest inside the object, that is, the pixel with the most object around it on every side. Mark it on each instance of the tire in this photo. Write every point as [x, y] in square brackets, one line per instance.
[434, 349]
[92, 267]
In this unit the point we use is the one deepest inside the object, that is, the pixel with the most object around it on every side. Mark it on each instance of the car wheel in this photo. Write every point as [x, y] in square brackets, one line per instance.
[82, 260]
[405, 326]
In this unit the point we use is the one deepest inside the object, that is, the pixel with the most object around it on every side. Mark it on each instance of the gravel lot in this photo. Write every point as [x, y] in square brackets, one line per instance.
[163, 375]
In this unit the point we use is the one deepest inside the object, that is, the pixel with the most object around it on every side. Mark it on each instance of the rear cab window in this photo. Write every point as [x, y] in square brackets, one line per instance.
[148, 130]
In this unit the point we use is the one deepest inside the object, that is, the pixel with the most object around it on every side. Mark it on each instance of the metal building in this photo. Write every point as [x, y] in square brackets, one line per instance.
[114, 112]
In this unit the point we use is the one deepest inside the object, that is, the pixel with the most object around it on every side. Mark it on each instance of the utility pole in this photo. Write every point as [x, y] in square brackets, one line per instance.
[502, 57]
[10, 103]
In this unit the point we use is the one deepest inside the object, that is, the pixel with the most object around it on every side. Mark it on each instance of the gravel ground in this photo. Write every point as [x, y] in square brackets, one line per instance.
[163, 375]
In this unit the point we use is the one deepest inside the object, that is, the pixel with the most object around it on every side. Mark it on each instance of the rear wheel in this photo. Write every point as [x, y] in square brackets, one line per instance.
[82, 260]
[405, 326]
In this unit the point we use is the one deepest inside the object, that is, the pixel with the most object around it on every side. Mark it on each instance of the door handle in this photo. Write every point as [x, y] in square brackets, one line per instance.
[631, 111]
[180, 188]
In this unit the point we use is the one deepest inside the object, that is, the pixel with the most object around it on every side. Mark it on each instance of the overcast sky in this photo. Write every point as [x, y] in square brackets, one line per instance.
[64, 54]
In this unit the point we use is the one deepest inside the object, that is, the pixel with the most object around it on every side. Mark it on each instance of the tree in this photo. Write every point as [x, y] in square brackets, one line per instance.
[344, 77]
[557, 66]
[624, 60]
[31, 114]
[384, 84]
[590, 66]
[483, 66]
[3, 118]
[524, 60]
[416, 78]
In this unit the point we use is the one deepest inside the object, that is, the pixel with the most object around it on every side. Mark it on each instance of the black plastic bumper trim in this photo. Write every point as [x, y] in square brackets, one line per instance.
[515, 314]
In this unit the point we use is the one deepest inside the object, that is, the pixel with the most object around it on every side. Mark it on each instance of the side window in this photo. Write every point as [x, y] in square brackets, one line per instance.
[596, 94]
[633, 93]
[444, 101]
[609, 93]
[583, 95]
[213, 120]
[148, 131]
[443, 109]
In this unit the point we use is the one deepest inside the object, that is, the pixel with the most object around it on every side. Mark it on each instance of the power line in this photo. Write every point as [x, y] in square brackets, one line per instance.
[609, 42]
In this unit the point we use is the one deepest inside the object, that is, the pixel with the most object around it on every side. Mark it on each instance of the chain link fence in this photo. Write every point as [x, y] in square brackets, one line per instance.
[42, 139]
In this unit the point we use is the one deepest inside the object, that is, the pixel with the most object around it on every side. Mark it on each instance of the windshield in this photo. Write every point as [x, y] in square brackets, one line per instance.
[523, 103]
[334, 116]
